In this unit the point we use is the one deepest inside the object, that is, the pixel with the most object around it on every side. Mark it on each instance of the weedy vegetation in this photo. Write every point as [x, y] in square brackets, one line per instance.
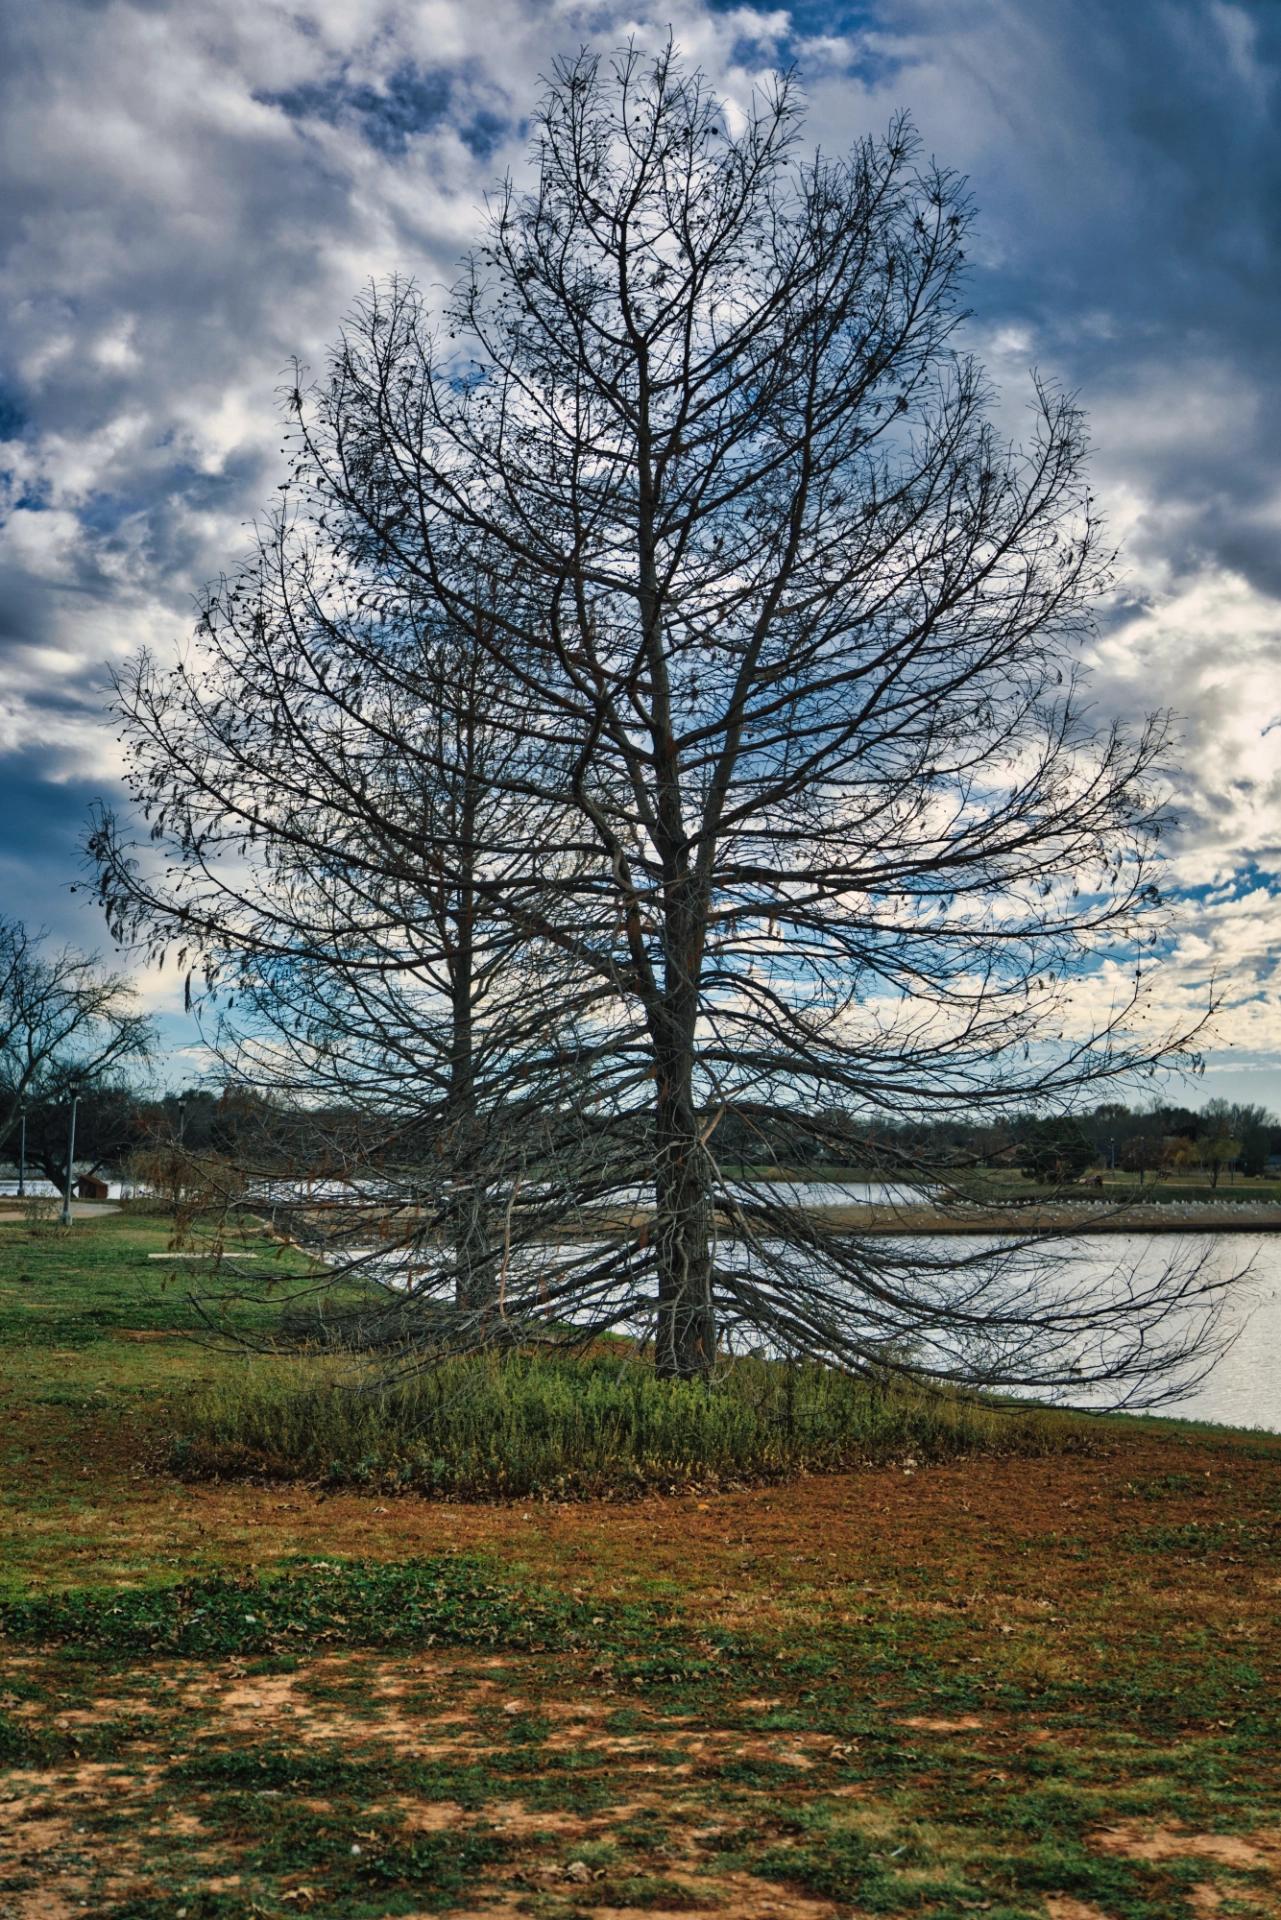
[520, 1424]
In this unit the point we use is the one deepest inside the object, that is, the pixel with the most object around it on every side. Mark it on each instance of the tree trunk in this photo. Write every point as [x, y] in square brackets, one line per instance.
[473, 1252]
[686, 1344]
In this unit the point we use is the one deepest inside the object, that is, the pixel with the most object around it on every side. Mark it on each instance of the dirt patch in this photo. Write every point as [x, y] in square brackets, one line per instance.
[967, 1723]
[1208, 1901]
[510, 1817]
[716, 1743]
[40, 1835]
[176, 1823]
[1260, 1849]
[88, 1780]
[1065, 1906]
[739, 1897]
[71, 1717]
[248, 1702]
[42, 1903]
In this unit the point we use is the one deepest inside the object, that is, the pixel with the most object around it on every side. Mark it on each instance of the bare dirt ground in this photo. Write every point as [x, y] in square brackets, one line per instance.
[900, 1691]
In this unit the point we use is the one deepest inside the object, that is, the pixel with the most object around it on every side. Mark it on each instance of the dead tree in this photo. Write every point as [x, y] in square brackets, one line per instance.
[328, 769]
[800, 789]
[67, 1025]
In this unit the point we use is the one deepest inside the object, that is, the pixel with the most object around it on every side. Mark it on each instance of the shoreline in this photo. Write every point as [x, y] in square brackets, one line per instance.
[1088, 1217]
[1222, 1219]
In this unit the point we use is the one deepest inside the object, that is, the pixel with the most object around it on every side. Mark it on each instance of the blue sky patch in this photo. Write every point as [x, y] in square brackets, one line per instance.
[412, 100]
[13, 415]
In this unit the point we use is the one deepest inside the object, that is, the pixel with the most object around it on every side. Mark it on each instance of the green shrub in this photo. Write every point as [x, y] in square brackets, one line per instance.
[518, 1424]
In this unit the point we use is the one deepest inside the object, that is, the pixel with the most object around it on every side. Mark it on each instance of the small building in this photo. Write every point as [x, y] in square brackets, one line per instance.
[89, 1187]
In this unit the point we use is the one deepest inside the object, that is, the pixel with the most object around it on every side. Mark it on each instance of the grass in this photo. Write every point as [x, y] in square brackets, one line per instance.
[420, 1602]
[70, 1288]
[518, 1426]
[1005, 1184]
[107, 1325]
[1123, 1188]
[1029, 1689]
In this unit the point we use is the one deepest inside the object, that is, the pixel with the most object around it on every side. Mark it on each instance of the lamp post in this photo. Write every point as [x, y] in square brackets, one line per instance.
[22, 1153]
[71, 1155]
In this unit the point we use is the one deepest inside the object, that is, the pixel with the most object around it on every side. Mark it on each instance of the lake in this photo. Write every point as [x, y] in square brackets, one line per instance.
[41, 1189]
[1244, 1387]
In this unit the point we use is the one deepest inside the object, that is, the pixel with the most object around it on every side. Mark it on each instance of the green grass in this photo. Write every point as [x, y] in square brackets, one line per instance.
[447, 1600]
[73, 1287]
[520, 1425]
[107, 1329]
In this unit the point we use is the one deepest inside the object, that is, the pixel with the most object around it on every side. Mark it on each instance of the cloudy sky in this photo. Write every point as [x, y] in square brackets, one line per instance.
[193, 194]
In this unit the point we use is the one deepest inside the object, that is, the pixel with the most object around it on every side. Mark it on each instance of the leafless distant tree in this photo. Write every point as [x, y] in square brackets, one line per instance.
[67, 1024]
[330, 766]
[791, 798]
[111, 1125]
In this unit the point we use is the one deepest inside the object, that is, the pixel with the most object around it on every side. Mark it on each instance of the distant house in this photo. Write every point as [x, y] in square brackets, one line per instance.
[89, 1187]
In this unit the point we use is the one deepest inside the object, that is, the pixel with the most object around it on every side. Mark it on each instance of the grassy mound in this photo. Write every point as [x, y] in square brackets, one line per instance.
[517, 1425]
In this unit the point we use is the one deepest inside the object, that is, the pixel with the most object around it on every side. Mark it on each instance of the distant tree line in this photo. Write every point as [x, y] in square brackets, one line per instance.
[1155, 1138]
[69, 1029]
[121, 1120]
[118, 1121]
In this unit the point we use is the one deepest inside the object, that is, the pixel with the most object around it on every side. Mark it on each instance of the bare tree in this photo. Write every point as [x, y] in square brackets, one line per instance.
[330, 768]
[111, 1124]
[800, 790]
[67, 1024]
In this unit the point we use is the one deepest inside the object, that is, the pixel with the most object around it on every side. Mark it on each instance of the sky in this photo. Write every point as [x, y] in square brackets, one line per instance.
[191, 196]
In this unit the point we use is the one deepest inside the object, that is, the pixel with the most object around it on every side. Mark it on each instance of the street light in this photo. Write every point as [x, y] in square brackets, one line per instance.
[22, 1153]
[71, 1155]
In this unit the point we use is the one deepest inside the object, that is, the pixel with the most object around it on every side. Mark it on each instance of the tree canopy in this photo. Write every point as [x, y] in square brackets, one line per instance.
[689, 501]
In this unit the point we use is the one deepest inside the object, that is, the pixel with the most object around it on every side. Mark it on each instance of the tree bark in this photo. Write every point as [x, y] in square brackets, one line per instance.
[473, 1253]
[686, 1343]
[686, 1322]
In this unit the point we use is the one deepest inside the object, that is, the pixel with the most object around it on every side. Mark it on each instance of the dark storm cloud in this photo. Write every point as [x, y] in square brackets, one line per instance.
[12, 416]
[41, 863]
